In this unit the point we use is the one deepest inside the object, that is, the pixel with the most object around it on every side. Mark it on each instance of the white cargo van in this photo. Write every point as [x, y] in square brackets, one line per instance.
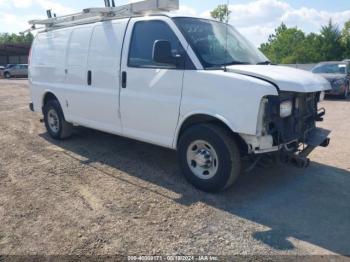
[190, 84]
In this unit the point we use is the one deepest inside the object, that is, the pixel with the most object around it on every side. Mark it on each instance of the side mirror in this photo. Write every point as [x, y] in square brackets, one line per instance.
[162, 53]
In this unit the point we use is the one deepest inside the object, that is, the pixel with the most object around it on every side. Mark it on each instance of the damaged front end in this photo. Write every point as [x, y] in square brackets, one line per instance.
[287, 127]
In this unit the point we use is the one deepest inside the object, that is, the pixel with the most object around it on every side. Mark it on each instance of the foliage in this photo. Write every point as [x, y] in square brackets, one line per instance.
[345, 39]
[331, 47]
[221, 13]
[6, 38]
[292, 45]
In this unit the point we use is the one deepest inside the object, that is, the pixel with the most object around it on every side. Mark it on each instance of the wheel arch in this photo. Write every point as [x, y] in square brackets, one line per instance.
[202, 118]
[48, 95]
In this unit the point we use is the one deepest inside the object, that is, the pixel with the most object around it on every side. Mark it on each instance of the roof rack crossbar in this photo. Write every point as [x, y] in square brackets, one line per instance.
[92, 15]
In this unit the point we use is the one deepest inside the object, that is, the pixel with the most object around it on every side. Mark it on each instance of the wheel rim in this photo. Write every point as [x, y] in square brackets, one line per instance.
[53, 120]
[202, 159]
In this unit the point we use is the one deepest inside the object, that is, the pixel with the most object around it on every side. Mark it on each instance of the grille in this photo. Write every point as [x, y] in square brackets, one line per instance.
[302, 120]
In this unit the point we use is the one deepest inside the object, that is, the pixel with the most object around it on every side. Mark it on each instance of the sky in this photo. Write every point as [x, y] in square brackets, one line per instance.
[256, 19]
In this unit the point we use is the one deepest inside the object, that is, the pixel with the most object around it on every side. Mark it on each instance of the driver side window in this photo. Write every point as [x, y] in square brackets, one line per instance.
[145, 34]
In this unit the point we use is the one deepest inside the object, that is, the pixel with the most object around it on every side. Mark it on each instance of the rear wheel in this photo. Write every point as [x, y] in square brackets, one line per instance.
[7, 75]
[209, 157]
[55, 122]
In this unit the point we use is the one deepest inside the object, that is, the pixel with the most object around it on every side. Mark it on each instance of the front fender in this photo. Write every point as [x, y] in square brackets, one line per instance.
[232, 98]
[209, 113]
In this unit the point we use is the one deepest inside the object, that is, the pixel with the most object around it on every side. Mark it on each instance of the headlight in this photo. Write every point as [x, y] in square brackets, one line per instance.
[322, 96]
[286, 109]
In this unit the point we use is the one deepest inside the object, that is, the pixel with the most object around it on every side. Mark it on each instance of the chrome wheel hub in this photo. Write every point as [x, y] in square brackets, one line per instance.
[202, 159]
[53, 120]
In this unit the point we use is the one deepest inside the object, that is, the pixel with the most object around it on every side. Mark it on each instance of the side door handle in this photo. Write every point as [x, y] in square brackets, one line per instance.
[89, 78]
[124, 79]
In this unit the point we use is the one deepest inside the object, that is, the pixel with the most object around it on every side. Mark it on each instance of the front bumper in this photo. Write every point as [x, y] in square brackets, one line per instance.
[318, 137]
[312, 139]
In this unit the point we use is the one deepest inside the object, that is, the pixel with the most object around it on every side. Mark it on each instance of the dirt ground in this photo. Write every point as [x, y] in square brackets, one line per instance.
[98, 194]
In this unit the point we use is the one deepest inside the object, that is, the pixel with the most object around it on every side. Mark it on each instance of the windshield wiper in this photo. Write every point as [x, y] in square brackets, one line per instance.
[264, 63]
[236, 63]
[221, 66]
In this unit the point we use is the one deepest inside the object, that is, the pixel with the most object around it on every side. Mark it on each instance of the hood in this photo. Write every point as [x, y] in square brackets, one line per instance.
[286, 78]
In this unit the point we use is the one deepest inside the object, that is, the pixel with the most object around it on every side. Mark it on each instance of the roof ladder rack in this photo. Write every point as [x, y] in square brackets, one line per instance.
[92, 15]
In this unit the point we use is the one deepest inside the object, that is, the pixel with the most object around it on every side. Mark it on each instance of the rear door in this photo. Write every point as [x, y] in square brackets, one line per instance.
[103, 70]
[94, 76]
[76, 74]
[151, 93]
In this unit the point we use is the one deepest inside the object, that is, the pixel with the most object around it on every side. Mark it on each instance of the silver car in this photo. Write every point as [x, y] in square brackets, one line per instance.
[338, 75]
[20, 70]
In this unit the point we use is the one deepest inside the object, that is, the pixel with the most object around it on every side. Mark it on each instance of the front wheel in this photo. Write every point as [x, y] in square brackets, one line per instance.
[209, 157]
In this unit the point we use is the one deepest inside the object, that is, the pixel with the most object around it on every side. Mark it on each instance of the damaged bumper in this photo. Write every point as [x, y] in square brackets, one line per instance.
[314, 138]
[290, 153]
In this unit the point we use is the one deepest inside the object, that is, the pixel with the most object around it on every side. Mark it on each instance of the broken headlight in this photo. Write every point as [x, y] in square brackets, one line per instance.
[286, 108]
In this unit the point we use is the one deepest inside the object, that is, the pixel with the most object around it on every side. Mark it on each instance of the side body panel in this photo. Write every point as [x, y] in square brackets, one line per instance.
[96, 104]
[75, 84]
[150, 102]
[232, 98]
[47, 68]
[60, 62]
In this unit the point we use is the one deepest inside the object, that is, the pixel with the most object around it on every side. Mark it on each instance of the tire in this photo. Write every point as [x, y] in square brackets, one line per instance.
[55, 123]
[7, 75]
[224, 153]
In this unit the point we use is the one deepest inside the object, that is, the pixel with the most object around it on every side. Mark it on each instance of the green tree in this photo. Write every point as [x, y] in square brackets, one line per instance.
[291, 45]
[6, 38]
[345, 39]
[331, 47]
[28, 38]
[221, 13]
[311, 47]
[285, 45]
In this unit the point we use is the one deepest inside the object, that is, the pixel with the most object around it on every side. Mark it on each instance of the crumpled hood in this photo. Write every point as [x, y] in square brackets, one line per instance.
[286, 78]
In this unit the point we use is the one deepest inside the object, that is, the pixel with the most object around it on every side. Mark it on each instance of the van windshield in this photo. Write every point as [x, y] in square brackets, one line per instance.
[217, 44]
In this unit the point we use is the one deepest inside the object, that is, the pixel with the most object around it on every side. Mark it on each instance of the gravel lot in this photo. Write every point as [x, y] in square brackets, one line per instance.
[99, 194]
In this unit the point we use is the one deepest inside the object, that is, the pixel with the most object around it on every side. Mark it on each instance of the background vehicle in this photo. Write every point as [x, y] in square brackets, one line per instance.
[20, 70]
[338, 75]
[185, 83]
